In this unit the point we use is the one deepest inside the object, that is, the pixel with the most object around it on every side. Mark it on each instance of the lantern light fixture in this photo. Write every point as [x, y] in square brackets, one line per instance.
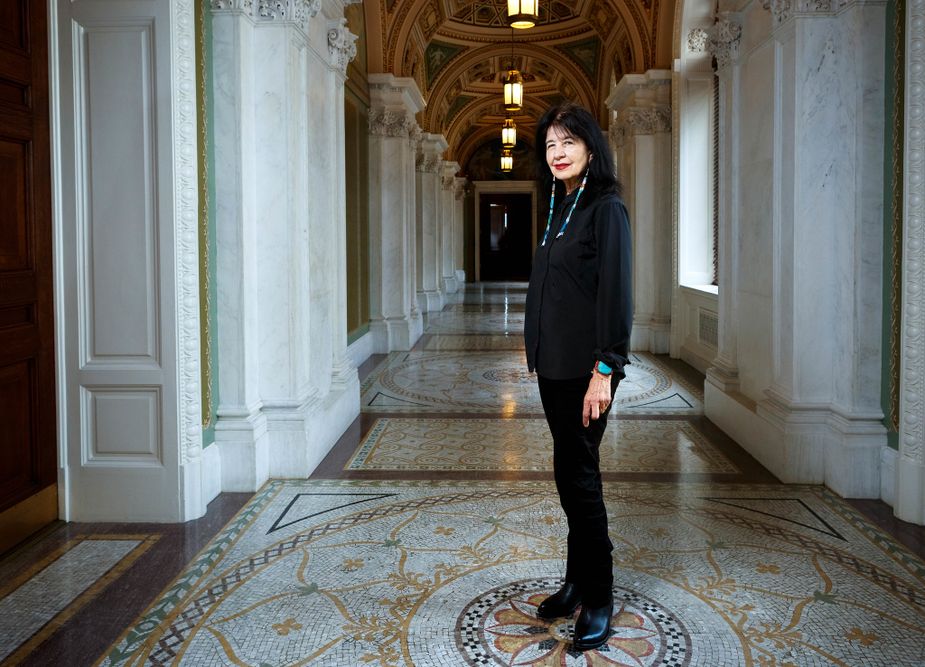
[513, 91]
[508, 133]
[507, 160]
[513, 85]
[522, 14]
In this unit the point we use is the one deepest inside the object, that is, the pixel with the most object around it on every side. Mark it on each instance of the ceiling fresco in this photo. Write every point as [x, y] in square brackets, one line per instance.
[458, 51]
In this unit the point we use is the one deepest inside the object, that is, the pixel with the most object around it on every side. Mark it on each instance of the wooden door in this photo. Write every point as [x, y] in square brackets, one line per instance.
[28, 460]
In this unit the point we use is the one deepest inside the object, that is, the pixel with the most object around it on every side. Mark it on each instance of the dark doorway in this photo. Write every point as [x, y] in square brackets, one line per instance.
[505, 236]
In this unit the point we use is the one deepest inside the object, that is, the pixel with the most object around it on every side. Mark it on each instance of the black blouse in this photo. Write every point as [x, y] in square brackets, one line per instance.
[580, 300]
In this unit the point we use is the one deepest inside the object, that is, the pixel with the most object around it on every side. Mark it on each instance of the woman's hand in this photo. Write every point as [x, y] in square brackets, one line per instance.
[597, 398]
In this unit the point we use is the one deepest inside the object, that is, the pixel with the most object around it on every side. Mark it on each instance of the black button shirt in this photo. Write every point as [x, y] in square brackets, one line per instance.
[579, 303]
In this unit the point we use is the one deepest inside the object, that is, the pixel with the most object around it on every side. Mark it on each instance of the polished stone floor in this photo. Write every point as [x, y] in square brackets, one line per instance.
[431, 532]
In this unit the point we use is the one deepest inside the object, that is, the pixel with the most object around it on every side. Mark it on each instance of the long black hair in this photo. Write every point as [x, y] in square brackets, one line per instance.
[578, 122]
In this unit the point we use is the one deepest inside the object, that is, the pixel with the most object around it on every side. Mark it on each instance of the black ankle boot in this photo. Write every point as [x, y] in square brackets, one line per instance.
[592, 629]
[563, 602]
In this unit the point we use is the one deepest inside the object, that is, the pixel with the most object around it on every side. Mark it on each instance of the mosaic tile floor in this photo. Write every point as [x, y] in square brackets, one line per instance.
[430, 533]
[525, 444]
[495, 381]
[422, 573]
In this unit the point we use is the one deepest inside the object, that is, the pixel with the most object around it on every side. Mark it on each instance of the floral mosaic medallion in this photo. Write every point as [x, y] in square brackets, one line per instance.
[501, 627]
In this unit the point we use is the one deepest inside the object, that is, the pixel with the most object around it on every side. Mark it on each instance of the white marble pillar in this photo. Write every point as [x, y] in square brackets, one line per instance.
[809, 291]
[241, 429]
[395, 320]
[286, 393]
[910, 465]
[448, 226]
[722, 41]
[428, 218]
[641, 130]
[459, 230]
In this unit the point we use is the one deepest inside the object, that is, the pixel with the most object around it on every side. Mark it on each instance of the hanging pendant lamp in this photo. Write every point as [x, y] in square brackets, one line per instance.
[507, 160]
[522, 14]
[513, 91]
[513, 85]
[508, 133]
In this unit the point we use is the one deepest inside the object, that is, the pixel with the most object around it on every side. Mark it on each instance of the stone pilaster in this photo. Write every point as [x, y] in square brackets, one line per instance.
[286, 392]
[459, 225]
[395, 320]
[428, 222]
[448, 225]
[641, 138]
[722, 41]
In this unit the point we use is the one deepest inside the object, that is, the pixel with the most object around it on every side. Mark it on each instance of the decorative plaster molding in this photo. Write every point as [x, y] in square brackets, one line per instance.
[341, 44]
[460, 185]
[725, 36]
[912, 377]
[429, 163]
[448, 182]
[783, 10]
[721, 39]
[415, 135]
[186, 223]
[617, 137]
[296, 11]
[388, 123]
[644, 120]
[698, 41]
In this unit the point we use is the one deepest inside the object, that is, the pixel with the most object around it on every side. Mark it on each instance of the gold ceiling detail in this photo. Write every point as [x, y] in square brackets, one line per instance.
[457, 50]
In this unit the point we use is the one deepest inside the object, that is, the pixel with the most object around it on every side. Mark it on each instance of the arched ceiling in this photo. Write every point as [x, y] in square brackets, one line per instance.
[458, 51]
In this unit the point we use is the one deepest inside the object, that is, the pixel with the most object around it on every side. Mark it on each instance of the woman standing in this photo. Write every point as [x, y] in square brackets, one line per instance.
[577, 330]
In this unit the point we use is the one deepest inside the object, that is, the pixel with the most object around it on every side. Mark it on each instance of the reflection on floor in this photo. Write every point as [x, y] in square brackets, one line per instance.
[431, 532]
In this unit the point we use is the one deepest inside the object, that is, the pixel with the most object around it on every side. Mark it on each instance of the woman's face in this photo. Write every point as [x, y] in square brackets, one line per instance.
[567, 156]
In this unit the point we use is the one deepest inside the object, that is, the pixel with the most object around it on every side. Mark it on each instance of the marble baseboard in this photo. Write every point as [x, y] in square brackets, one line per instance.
[299, 446]
[888, 476]
[809, 447]
[361, 349]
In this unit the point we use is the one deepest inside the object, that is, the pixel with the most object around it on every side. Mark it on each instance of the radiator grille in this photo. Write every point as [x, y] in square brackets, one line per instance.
[708, 331]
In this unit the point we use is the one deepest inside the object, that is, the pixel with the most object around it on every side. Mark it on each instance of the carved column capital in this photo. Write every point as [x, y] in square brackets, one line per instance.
[390, 123]
[428, 163]
[459, 187]
[617, 136]
[341, 44]
[721, 39]
[643, 120]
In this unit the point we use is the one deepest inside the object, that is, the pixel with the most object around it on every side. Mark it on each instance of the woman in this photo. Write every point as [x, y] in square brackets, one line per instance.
[577, 332]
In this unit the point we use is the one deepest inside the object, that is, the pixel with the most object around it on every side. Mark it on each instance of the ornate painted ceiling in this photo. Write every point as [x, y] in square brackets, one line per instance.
[457, 51]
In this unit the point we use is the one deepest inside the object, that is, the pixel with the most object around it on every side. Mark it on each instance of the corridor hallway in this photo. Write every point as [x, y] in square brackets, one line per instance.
[432, 530]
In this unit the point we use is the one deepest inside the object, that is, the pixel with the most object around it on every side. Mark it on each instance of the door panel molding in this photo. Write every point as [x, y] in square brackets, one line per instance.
[129, 379]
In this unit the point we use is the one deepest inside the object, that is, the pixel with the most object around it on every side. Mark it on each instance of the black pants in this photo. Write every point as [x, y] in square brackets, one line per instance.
[576, 462]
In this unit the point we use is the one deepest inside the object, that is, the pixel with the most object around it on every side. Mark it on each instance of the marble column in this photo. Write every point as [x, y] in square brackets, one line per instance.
[459, 227]
[286, 393]
[395, 320]
[722, 40]
[448, 226]
[641, 130]
[910, 465]
[809, 278]
[428, 217]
